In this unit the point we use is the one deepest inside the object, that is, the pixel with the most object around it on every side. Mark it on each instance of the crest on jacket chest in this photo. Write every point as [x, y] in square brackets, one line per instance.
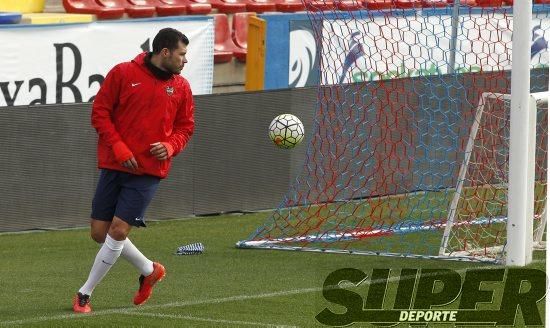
[169, 90]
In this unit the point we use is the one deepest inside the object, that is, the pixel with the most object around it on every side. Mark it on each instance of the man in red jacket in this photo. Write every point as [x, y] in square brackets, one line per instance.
[143, 115]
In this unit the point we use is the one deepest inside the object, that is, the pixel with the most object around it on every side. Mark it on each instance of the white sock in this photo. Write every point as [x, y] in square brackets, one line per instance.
[104, 260]
[134, 256]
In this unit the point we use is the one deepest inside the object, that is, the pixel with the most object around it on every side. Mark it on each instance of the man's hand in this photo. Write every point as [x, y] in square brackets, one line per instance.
[159, 151]
[131, 164]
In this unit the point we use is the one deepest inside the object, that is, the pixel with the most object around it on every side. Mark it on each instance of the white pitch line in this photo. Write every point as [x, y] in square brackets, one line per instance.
[208, 301]
[237, 298]
[188, 317]
[159, 306]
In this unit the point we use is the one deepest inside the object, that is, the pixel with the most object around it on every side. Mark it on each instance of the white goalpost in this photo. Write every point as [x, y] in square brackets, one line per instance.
[522, 142]
[515, 224]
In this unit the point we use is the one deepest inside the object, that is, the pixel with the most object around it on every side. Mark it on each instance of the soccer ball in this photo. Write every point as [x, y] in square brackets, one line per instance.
[286, 131]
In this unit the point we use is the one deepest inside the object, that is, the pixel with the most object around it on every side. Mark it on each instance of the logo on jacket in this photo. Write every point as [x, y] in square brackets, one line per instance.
[170, 90]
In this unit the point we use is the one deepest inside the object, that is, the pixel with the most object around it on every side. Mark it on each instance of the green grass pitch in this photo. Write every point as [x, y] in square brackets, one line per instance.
[224, 287]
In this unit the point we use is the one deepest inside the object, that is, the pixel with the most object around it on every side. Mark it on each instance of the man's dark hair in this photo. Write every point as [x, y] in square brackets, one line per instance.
[168, 38]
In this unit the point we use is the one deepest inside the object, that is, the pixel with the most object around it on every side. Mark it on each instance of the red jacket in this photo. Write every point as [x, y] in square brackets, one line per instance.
[134, 109]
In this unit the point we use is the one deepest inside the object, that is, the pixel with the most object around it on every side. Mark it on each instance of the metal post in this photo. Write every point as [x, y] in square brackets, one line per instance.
[522, 152]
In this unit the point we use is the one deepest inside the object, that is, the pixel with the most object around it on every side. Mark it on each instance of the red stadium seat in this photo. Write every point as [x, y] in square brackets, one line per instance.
[223, 45]
[511, 2]
[227, 6]
[542, 2]
[471, 3]
[231, 6]
[191, 7]
[378, 4]
[320, 5]
[289, 6]
[489, 3]
[92, 7]
[348, 5]
[132, 10]
[260, 6]
[407, 4]
[239, 34]
[434, 3]
[163, 9]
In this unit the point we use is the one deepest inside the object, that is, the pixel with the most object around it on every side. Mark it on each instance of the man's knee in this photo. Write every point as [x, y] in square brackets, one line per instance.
[119, 229]
[98, 237]
[117, 234]
[98, 230]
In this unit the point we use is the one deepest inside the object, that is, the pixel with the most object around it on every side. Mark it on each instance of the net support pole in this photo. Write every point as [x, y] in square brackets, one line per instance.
[463, 170]
[454, 37]
[522, 138]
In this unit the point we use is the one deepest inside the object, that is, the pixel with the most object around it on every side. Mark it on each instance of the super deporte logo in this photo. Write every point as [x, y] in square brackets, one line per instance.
[420, 296]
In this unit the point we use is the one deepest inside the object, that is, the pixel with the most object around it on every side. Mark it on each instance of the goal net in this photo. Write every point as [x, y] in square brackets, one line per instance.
[477, 216]
[409, 152]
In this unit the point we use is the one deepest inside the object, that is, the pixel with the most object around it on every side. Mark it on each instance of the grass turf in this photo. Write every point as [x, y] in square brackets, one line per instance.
[224, 287]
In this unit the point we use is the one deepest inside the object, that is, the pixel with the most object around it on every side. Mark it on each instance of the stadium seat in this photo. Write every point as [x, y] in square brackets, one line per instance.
[92, 7]
[260, 6]
[192, 7]
[239, 34]
[407, 4]
[541, 2]
[56, 18]
[10, 18]
[227, 6]
[130, 9]
[378, 4]
[223, 44]
[471, 3]
[163, 9]
[320, 5]
[434, 3]
[289, 6]
[489, 3]
[511, 2]
[348, 5]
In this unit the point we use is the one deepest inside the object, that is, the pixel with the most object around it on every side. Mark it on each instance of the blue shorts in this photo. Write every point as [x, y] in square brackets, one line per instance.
[123, 195]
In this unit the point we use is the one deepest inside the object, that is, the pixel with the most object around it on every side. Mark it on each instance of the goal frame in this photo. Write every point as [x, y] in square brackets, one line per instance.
[514, 223]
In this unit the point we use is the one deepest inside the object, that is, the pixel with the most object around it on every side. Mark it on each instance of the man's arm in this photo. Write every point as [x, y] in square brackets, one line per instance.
[105, 102]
